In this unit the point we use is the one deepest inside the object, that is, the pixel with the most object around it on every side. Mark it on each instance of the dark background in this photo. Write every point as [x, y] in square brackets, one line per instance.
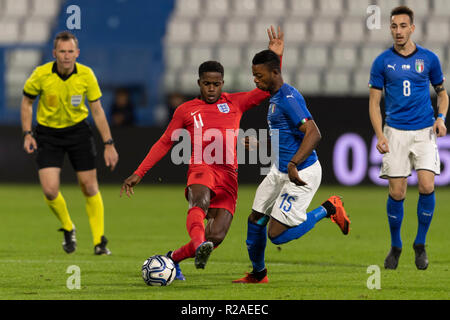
[334, 117]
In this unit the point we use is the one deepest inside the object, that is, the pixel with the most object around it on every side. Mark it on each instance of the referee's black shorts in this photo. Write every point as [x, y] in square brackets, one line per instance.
[76, 140]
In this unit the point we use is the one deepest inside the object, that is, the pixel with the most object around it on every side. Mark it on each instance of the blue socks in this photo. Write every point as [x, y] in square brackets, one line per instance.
[257, 236]
[256, 244]
[425, 210]
[312, 218]
[395, 218]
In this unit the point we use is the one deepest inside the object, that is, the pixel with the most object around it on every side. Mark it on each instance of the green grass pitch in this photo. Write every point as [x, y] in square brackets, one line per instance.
[324, 264]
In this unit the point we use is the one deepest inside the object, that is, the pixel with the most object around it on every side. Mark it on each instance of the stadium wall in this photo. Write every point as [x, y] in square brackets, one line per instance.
[347, 149]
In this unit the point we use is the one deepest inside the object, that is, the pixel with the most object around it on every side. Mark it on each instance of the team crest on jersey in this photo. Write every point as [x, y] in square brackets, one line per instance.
[420, 65]
[223, 107]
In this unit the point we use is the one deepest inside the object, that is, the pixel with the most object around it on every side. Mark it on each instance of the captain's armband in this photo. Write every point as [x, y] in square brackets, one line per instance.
[438, 88]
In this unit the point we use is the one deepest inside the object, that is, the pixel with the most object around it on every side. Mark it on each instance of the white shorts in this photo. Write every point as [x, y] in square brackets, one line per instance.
[283, 200]
[409, 149]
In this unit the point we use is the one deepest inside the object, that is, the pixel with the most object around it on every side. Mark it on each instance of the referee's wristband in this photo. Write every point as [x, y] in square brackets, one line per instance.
[293, 163]
[441, 115]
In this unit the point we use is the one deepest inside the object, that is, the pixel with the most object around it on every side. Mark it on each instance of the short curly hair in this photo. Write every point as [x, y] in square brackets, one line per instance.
[210, 66]
[269, 58]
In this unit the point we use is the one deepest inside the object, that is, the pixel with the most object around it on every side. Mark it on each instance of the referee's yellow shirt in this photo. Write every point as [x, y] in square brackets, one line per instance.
[62, 99]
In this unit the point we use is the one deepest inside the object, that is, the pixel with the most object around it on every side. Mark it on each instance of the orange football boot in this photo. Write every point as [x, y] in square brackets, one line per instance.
[250, 278]
[340, 217]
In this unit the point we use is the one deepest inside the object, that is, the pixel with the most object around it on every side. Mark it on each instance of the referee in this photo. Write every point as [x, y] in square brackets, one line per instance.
[62, 86]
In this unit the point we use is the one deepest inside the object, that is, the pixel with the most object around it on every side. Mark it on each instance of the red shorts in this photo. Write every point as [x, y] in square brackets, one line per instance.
[221, 181]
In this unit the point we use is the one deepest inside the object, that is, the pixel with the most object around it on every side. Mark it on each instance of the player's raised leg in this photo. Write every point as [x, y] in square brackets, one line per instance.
[394, 208]
[49, 179]
[333, 208]
[291, 221]
[280, 233]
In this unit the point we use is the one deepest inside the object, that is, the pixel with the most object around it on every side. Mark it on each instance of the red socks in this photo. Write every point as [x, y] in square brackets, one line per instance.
[196, 230]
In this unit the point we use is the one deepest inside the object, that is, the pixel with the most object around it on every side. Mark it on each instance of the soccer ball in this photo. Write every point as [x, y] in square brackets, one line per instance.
[158, 270]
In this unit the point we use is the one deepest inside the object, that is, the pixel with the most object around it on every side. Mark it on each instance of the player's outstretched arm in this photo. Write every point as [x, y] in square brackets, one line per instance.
[377, 121]
[128, 185]
[439, 127]
[276, 40]
[156, 153]
[26, 115]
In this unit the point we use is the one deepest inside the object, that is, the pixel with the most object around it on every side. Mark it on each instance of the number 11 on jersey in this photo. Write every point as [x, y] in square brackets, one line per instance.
[198, 120]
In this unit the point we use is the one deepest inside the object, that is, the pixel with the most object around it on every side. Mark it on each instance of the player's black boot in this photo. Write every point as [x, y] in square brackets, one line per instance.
[202, 254]
[70, 242]
[391, 261]
[421, 256]
[101, 249]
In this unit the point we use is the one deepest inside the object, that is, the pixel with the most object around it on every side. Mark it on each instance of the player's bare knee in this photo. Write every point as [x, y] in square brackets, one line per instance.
[397, 194]
[51, 194]
[258, 218]
[89, 189]
[427, 189]
[198, 199]
[201, 202]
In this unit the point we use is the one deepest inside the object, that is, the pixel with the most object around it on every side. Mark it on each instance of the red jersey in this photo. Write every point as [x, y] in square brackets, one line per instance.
[212, 127]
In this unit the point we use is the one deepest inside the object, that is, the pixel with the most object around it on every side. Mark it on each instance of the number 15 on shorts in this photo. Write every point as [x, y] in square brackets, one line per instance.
[286, 204]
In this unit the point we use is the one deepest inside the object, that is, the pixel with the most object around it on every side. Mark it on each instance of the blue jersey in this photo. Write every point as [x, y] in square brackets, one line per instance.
[287, 111]
[406, 81]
